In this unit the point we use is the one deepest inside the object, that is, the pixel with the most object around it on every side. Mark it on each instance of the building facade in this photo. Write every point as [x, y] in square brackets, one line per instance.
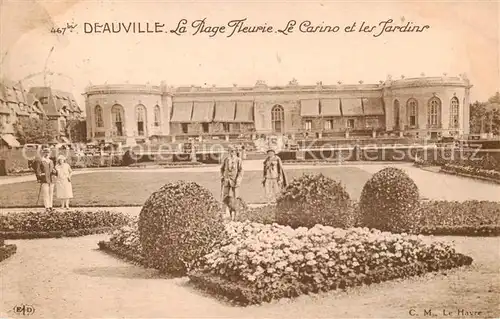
[421, 107]
[17, 103]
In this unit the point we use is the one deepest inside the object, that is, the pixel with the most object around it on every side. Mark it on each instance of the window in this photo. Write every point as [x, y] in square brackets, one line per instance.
[205, 127]
[412, 111]
[277, 118]
[308, 125]
[117, 117]
[350, 123]
[184, 127]
[396, 114]
[328, 124]
[372, 123]
[433, 112]
[98, 116]
[141, 120]
[157, 116]
[225, 126]
[454, 111]
[236, 127]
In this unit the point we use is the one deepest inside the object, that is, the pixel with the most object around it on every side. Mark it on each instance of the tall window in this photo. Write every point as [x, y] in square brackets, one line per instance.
[396, 114]
[433, 112]
[157, 116]
[350, 123]
[117, 117]
[277, 118]
[328, 124]
[226, 127]
[308, 125]
[454, 109]
[412, 111]
[140, 115]
[184, 127]
[205, 127]
[98, 116]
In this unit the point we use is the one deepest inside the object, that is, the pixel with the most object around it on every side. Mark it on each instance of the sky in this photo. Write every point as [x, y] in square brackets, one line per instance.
[463, 37]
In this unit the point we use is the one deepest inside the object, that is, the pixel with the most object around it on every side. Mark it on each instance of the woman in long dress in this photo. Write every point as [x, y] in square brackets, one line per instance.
[64, 189]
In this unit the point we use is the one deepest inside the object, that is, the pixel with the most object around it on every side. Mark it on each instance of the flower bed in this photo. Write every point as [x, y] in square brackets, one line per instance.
[55, 224]
[260, 263]
[468, 218]
[470, 171]
[6, 251]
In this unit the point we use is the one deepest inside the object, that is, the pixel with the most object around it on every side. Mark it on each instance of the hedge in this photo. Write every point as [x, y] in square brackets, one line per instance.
[56, 224]
[6, 251]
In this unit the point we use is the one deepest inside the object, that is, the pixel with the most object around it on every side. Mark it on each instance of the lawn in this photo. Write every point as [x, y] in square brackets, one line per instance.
[133, 188]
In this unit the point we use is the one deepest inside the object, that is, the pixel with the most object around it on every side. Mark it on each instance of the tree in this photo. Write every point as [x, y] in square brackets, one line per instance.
[485, 116]
[76, 130]
[36, 131]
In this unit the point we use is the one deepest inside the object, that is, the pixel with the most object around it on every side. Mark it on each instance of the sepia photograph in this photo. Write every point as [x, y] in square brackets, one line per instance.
[249, 159]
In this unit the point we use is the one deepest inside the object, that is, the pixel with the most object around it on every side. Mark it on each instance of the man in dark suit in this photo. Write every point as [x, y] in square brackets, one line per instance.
[45, 174]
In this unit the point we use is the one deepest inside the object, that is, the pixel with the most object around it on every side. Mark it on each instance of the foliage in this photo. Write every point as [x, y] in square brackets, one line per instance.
[485, 116]
[54, 221]
[491, 174]
[314, 199]
[264, 262]
[263, 214]
[178, 224]
[459, 218]
[37, 131]
[76, 130]
[7, 250]
[389, 201]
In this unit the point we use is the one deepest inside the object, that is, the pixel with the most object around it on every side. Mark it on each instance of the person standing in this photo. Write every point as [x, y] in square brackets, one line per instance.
[45, 174]
[64, 188]
[231, 175]
[274, 176]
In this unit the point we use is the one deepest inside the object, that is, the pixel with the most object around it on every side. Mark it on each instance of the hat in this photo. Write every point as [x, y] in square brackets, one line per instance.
[61, 158]
[45, 151]
[231, 148]
[271, 150]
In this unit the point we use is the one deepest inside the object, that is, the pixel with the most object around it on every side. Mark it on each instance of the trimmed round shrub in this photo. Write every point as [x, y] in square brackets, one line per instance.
[314, 199]
[390, 201]
[177, 225]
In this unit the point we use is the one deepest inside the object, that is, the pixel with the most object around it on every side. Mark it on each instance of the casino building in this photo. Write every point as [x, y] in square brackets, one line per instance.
[425, 107]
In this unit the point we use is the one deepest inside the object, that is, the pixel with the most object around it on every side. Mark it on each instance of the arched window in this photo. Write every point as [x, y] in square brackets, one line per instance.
[117, 115]
[277, 118]
[396, 114]
[454, 111]
[98, 116]
[412, 112]
[157, 116]
[140, 115]
[434, 112]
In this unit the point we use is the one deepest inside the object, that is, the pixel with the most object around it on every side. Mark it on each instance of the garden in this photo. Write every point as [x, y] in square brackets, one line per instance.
[322, 237]
[315, 239]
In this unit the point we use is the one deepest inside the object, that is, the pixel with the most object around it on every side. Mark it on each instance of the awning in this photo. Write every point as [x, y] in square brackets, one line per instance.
[330, 107]
[224, 111]
[373, 106]
[203, 112]
[182, 112]
[244, 111]
[352, 107]
[309, 107]
[10, 140]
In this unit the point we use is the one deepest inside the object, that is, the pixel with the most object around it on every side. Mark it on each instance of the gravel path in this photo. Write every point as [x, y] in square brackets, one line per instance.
[69, 278]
